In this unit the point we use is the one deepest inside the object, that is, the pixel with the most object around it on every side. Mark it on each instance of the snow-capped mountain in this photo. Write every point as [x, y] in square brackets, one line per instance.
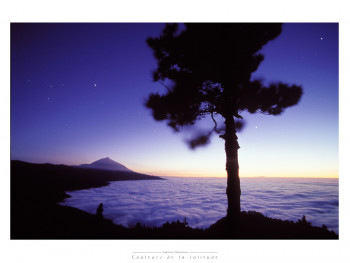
[106, 164]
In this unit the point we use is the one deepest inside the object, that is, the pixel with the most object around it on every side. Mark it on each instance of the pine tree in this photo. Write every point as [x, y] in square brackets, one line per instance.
[206, 69]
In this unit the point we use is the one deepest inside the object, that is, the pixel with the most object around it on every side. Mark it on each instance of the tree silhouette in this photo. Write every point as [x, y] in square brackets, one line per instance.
[206, 69]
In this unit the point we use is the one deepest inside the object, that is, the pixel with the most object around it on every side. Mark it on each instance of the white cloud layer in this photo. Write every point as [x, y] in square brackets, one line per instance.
[203, 200]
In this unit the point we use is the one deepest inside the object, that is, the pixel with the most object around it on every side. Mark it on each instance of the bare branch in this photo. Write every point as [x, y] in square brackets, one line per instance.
[212, 117]
[162, 83]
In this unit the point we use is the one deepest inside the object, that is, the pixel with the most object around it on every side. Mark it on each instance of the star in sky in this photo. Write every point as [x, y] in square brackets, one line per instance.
[113, 68]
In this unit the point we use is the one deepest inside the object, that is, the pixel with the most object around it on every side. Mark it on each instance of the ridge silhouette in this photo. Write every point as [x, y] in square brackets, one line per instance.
[35, 213]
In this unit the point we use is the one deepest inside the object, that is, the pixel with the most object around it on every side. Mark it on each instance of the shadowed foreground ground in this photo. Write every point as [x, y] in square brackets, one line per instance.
[35, 214]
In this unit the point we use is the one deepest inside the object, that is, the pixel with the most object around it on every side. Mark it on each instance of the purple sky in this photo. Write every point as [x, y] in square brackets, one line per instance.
[77, 95]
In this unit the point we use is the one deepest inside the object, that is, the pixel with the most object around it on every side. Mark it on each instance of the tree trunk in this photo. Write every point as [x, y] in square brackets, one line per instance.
[233, 189]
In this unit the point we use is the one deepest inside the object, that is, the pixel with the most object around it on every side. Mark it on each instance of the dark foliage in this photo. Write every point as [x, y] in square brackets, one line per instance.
[254, 225]
[207, 70]
[206, 63]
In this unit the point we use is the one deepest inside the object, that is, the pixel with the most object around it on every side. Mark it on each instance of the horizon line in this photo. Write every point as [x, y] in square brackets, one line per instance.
[224, 177]
[155, 173]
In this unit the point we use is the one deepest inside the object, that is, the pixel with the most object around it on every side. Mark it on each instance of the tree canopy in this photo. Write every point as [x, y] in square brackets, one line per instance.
[207, 69]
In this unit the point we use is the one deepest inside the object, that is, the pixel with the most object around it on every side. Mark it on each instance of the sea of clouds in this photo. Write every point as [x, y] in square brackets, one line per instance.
[203, 201]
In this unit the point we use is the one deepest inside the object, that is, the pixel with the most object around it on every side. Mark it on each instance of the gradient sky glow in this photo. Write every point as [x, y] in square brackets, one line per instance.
[78, 93]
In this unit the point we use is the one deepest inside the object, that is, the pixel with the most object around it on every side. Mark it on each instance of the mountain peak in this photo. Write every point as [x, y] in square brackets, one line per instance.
[106, 164]
[107, 159]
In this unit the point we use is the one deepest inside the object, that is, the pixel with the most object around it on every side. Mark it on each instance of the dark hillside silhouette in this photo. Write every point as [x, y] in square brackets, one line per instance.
[36, 189]
[35, 214]
[206, 70]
